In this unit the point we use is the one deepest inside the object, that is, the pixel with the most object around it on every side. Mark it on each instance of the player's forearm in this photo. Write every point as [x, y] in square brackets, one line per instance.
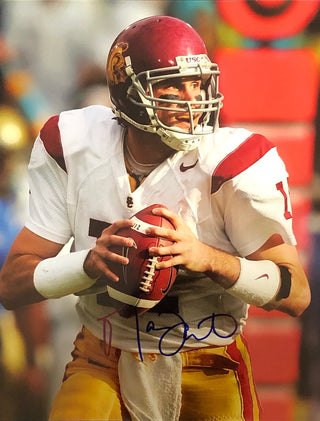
[294, 294]
[16, 282]
[27, 279]
[223, 268]
[253, 282]
[264, 283]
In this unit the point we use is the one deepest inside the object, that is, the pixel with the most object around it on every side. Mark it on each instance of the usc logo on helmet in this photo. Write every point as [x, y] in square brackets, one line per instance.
[116, 68]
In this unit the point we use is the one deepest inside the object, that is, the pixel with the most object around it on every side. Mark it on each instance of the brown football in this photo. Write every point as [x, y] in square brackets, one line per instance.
[141, 286]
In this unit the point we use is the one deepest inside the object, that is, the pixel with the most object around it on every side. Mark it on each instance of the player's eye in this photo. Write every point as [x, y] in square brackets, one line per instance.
[169, 96]
[196, 84]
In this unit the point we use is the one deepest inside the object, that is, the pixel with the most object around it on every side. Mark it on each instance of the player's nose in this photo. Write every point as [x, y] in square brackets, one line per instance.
[189, 94]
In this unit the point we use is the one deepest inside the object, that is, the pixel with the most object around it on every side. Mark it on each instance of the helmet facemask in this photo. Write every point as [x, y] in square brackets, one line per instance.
[141, 98]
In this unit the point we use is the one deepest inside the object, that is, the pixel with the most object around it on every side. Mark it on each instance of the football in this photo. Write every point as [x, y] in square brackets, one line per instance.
[141, 286]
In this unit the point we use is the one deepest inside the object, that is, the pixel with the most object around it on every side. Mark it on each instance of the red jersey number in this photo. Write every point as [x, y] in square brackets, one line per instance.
[287, 214]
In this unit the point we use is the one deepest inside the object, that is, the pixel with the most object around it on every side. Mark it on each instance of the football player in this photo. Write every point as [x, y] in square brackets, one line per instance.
[227, 196]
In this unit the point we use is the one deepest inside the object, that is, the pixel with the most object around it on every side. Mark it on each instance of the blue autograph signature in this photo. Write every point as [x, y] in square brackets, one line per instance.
[212, 320]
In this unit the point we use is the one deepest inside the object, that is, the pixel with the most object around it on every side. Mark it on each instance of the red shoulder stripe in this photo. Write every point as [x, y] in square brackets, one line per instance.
[50, 136]
[249, 152]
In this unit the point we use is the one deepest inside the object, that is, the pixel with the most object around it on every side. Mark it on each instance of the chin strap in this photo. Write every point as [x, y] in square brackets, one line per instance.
[179, 141]
[175, 140]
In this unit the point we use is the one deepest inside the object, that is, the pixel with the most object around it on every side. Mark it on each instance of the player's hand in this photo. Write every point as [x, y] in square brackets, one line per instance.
[96, 263]
[187, 251]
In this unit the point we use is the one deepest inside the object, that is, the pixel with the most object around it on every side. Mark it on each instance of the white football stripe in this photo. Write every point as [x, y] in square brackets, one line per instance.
[141, 226]
[129, 299]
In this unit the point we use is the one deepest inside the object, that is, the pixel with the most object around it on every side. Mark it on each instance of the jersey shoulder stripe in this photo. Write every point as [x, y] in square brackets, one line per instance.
[245, 155]
[51, 138]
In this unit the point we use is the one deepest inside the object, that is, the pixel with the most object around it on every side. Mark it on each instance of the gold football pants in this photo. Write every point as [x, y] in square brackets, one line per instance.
[217, 384]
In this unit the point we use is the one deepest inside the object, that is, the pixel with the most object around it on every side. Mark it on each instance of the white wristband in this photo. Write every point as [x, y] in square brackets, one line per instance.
[258, 283]
[62, 275]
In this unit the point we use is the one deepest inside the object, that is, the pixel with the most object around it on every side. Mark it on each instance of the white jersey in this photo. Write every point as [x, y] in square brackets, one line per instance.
[232, 192]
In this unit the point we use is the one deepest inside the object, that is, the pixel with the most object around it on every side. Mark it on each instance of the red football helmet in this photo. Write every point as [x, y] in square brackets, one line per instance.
[156, 49]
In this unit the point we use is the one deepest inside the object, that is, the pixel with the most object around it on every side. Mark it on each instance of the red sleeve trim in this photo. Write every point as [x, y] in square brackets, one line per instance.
[249, 152]
[50, 136]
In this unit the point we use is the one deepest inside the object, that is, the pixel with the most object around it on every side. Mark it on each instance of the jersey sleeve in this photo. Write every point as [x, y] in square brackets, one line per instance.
[47, 177]
[256, 204]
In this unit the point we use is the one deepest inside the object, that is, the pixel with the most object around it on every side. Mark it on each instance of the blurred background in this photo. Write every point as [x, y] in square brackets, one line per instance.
[52, 55]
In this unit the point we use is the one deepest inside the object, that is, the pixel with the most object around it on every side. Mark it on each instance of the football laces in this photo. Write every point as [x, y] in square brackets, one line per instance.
[147, 278]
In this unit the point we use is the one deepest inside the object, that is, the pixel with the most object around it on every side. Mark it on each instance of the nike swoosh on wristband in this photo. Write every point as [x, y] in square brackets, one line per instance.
[184, 168]
[265, 275]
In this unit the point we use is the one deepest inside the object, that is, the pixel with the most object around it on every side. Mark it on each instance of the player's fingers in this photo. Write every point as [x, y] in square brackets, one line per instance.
[171, 262]
[162, 251]
[175, 219]
[107, 255]
[116, 226]
[169, 234]
[96, 265]
[107, 241]
[105, 271]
